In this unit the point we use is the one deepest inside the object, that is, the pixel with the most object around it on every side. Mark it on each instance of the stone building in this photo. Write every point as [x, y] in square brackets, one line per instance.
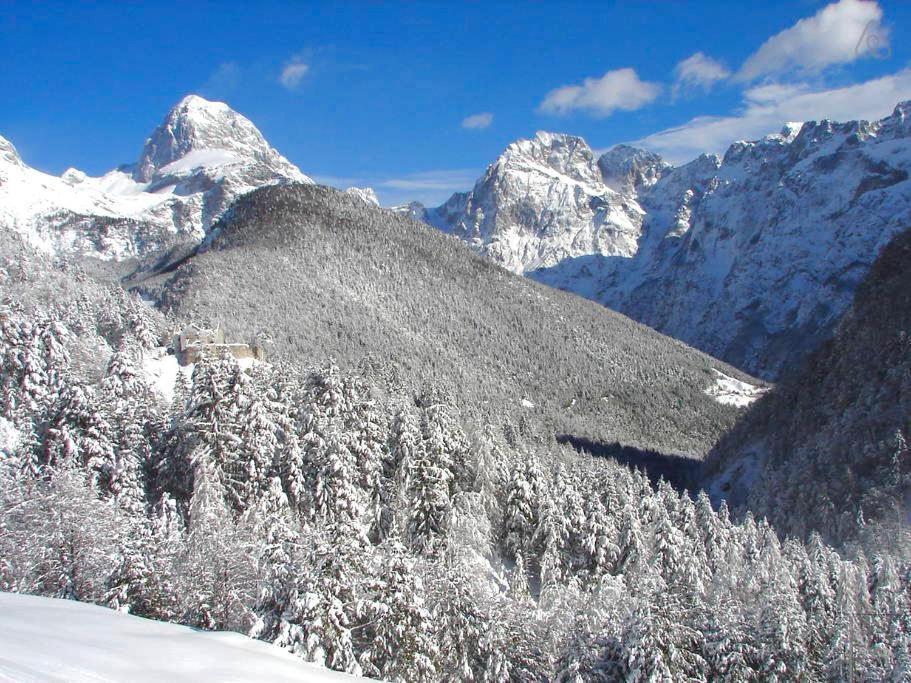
[194, 342]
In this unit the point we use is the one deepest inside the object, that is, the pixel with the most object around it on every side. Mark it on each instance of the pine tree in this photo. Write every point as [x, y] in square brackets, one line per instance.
[140, 583]
[405, 448]
[317, 617]
[368, 444]
[274, 537]
[430, 505]
[402, 646]
[521, 512]
[633, 550]
[337, 497]
[259, 452]
[81, 433]
[129, 404]
[659, 644]
[730, 653]
[491, 477]
[213, 576]
[71, 559]
[460, 623]
[447, 445]
[600, 549]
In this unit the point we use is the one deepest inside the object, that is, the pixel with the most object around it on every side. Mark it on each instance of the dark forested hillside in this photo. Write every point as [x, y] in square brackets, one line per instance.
[827, 448]
[318, 274]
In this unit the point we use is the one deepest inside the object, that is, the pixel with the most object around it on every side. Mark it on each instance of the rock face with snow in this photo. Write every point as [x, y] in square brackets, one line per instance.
[628, 169]
[544, 200]
[751, 257]
[193, 166]
[365, 194]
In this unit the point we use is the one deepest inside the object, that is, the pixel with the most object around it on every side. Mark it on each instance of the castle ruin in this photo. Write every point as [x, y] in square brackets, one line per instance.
[194, 342]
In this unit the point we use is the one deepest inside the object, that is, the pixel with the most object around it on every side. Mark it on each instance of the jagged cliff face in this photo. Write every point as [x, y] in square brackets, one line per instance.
[751, 257]
[193, 166]
[758, 259]
[543, 201]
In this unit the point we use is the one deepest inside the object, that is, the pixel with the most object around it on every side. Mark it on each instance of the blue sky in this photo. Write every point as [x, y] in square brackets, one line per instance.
[416, 99]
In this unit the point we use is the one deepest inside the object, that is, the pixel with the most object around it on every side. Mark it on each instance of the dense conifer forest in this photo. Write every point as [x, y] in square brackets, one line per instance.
[379, 528]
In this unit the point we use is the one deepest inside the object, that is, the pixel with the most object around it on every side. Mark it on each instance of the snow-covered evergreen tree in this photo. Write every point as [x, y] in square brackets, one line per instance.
[402, 643]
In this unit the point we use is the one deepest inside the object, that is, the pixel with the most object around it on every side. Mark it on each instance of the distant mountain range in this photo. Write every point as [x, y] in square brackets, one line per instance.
[751, 257]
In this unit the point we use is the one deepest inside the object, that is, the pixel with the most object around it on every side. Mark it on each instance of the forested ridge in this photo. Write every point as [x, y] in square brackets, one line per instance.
[841, 422]
[316, 274]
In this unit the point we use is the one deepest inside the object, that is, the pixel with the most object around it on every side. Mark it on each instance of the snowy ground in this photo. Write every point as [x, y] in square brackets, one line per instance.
[42, 639]
[733, 392]
[160, 369]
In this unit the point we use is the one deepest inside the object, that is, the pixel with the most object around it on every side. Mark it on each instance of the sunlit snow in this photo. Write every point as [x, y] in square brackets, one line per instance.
[43, 639]
[9, 436]
[733, 392]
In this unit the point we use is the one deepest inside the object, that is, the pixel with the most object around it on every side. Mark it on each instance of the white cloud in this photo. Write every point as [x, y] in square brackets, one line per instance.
[767, 108]
[431, 188]
[341, 182]
[698, 72]
[433, 180]
[619, 89]
[478, 121]
[837, 34]
[293, 73]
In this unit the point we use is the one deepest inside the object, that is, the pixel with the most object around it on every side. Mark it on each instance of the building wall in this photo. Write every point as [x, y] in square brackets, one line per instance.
[192, 354]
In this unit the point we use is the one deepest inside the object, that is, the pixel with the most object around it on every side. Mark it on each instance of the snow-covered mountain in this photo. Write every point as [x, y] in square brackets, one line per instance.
[192, 167]
[365, 194]
[751, 257]
[542, 201]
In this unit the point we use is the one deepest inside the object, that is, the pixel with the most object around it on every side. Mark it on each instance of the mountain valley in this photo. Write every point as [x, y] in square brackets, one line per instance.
[437, 464]
[751, 257]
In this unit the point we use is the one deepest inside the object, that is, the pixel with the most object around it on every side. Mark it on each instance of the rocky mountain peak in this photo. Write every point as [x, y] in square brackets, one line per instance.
[202, 157]
[213, 133]
[899, 123]
[365, 194]
[542, 201]
[630, 169]
[8, 153]
[568, 155]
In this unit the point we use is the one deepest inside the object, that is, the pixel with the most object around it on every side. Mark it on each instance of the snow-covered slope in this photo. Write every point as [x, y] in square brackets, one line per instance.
[193, 166]
[541, 202]
[751, 257]
[43, 639]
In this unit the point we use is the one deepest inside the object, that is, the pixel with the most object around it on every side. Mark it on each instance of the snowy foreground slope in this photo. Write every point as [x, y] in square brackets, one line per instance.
[43, 639]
